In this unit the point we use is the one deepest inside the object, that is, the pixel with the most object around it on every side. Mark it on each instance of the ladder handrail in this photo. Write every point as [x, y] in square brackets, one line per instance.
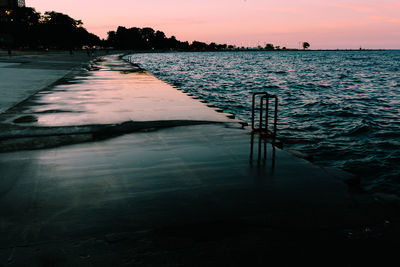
[264, 96]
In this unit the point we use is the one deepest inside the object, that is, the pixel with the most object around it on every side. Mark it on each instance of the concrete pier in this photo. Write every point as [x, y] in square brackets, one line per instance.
[189, 195]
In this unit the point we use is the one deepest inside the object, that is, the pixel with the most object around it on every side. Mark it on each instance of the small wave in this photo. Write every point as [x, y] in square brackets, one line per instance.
[366, 166]
[301, 115]
[322, 104]
[240, 106]
[387, 134]
[342, 113]
[176, 83]
[280, 72]
[310, 128]
[324, 86]
[359, 58]
[389, 145]
[357, 130]
[311, 104]
[271, 87]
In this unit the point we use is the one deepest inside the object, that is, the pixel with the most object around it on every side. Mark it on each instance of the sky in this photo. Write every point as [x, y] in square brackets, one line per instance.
[325, 24]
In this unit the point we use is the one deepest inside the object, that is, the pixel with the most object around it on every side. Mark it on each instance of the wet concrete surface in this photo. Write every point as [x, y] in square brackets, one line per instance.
[165, 192]
[181, 196]
[22, 76]
[16, 137]
[116, 92]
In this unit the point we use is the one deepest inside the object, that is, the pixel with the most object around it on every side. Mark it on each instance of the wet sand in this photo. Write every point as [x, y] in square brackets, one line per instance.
[190, 195]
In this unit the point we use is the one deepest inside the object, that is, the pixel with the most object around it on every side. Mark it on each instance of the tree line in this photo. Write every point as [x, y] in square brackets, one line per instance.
[150, 39]
[23, 27]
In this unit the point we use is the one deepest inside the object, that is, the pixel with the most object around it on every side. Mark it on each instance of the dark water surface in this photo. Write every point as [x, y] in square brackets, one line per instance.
[341, 107]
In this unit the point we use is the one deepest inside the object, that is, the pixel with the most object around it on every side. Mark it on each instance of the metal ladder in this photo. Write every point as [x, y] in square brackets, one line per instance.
[262, 128]
[264, 118]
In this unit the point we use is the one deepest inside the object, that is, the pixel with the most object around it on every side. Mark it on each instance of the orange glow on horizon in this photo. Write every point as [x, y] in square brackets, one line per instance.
[341, 24]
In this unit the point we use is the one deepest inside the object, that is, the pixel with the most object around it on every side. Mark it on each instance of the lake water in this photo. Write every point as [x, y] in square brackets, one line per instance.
[341, 107]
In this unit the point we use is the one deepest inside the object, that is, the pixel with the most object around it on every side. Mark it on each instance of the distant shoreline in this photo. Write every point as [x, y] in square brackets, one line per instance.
[272, 51]
[4, 53]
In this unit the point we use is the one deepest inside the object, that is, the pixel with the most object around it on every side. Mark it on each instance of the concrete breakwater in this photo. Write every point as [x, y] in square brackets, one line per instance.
[160, 195]
[100, 103]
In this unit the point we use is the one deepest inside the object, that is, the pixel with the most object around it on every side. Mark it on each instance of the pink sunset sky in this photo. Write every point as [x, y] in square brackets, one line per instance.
[324, 24]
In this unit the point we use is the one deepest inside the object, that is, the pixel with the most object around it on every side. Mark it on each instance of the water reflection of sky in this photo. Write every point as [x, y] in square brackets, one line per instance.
[113, 95]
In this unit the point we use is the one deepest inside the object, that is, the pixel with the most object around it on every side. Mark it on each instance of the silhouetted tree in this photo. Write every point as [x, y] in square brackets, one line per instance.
[269, 47]
[160, 40]
[305, 45]
[148, 35]
[18, 27]
[222, 47]
[112, 39]
[24, 27]
[212, 46]
[172, 42]
[62, 31]
[184, 46]
[199, 46]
